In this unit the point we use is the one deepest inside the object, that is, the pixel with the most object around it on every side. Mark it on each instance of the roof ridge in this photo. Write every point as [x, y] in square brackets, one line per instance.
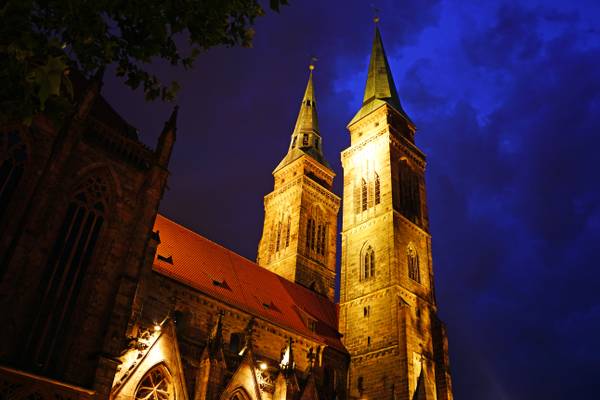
[205, 238]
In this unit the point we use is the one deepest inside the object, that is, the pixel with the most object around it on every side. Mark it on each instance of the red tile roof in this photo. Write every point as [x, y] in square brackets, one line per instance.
[239, 282]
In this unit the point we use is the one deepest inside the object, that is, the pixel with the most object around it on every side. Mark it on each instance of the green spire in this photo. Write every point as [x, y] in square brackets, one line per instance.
[380, 88]
[305, 137]
[307, 117]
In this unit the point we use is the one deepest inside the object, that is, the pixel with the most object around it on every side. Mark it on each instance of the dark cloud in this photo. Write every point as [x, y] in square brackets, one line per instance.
[523, 184]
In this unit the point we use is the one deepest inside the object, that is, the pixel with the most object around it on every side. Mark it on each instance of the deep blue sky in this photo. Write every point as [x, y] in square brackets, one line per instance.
[506, 97]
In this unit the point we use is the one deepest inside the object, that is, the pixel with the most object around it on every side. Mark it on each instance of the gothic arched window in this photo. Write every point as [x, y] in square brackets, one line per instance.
[13, 154]
[377, 189]
[287, 231]
[322, 231]
[410, 197]
[364, 194]
[65, 271]
[155, 385]
[368, 263]
[278, 236]
[414, 272]
[310, 234]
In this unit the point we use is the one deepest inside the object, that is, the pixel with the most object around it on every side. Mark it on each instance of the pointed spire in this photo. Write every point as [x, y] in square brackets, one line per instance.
[287, 363]
[215, 340]
[171, 124]
[380, 88]
[91, 93]
[248, 330]
[307, 117]
[380, 83]
[167, 138]
[305, 137]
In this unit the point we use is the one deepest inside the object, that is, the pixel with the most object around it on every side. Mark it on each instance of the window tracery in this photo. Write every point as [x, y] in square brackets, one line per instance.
[155, 385]
[367, 193]
[368, 263]
[279, 239]
[66, 268]
[316, 233]
[364, 194]
[377, 189]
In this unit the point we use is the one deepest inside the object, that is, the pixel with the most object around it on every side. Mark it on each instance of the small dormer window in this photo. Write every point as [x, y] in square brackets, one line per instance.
[166, 259]
[317, 143]
[305, 140]
[312, 325]
[220, 283]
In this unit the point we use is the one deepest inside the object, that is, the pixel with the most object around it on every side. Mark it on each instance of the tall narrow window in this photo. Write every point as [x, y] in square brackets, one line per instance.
[319, 233]
[377, 190]
[410, 199]
[310, 231]
[13, 154]
[305, 140]
[368, 263]
[364, 193]
[323, 239]
[287, 231]
[65, 272]
[278, 236]
[414, 272]
[272, 238]
[312, 235]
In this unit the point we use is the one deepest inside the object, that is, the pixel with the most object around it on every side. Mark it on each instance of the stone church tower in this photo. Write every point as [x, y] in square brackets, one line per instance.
[388, 317]
[299, 233]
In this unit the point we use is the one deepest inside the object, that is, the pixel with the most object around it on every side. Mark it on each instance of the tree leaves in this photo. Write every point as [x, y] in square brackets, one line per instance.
[41, 40]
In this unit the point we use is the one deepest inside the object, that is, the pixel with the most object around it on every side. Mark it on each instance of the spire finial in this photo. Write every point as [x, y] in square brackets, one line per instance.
[311, 64]
[375, 13]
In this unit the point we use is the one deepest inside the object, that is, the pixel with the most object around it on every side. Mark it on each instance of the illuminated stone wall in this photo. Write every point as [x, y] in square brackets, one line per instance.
[196, 315]
[302, 191]
[387, 319]
[58, 161]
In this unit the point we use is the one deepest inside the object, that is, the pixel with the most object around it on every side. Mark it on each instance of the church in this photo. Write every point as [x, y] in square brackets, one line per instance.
[105, 298]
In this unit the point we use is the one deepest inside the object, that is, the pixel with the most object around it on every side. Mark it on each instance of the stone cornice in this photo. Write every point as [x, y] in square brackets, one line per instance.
[305, 158]
[127, 149]
[409, 148]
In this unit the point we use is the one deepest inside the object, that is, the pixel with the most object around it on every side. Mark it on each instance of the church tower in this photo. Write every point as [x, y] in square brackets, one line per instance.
[299, 233]
[388, 314]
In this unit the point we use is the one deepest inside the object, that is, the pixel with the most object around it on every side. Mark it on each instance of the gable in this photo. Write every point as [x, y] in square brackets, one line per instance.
[154, 352]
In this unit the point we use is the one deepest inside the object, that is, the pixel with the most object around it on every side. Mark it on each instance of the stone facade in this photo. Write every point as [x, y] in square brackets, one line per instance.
[193, 316]
[387, 305]
[71, 250]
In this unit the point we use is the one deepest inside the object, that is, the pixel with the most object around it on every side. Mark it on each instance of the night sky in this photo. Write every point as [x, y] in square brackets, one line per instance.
[506, 98]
